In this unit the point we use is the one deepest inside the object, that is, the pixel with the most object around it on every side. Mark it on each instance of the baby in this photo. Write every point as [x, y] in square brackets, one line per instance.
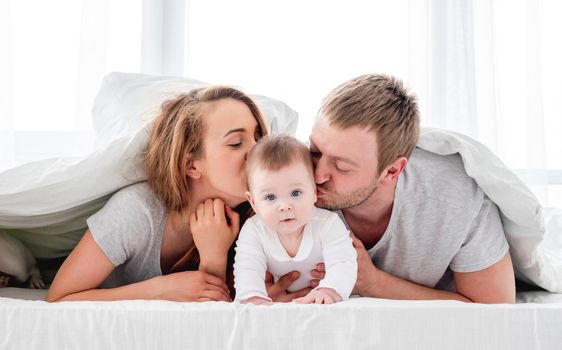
[289, 233]
[16, 261]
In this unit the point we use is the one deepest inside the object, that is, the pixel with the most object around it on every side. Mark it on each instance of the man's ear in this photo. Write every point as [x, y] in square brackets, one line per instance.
[192, 168]
[391, 172]
[251, 200]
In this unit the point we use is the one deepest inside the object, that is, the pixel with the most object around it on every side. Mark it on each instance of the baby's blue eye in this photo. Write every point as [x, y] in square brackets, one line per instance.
[270, 197]
[296, 193]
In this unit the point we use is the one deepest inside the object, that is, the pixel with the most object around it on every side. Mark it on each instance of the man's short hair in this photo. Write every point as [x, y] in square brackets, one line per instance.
[276, 152]
[382, 104]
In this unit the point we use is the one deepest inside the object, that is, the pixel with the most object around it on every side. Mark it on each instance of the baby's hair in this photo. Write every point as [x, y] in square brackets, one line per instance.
[276, 152]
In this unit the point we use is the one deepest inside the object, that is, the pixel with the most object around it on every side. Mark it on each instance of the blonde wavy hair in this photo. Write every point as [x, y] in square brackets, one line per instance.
[177, 136]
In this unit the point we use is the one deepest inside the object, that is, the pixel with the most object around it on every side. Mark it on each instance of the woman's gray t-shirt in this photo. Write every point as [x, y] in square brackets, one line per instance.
[129, 230]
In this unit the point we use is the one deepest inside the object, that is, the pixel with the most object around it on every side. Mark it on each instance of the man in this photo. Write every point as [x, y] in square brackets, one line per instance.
[422, 228]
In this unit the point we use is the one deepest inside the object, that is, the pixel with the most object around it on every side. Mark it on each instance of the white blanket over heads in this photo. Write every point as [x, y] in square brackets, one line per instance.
[54, 197]
[535, 243]
[46, 203]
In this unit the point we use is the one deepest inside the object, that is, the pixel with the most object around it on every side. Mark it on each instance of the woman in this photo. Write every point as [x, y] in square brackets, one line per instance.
[195, 167]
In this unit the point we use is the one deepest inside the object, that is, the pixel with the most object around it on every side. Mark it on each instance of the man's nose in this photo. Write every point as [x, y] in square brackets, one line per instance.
[321, 173]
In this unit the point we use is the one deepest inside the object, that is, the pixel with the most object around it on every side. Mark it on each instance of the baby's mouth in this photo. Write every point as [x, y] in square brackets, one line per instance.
[288, 220]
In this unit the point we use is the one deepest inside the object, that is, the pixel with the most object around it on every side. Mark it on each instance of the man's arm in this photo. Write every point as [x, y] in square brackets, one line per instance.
[494, 284]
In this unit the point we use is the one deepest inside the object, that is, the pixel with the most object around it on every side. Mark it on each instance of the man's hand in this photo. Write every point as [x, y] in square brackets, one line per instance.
[278, 291]
[366, 270]
[317, 274]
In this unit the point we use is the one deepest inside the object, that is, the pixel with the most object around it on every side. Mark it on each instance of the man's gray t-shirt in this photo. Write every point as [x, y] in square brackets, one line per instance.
[441, 222]
[129, 230]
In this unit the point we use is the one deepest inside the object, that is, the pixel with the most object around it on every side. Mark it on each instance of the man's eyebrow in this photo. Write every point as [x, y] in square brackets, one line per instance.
[234, 130]
[345, 160]
[313, 149]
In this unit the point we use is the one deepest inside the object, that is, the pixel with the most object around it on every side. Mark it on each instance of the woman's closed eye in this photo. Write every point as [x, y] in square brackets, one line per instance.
[235, 145]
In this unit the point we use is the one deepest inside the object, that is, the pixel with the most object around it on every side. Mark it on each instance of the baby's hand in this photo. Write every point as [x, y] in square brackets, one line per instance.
[320, 296]
[257, 301]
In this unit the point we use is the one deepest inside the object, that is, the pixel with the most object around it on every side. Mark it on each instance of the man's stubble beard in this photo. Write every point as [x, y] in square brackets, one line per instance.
[348, 200]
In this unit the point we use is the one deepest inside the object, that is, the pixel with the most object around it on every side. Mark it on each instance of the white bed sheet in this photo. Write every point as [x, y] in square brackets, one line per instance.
[361, 323]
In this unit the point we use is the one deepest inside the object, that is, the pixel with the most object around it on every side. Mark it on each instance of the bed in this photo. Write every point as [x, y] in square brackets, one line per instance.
[535, 322]
[45, 204]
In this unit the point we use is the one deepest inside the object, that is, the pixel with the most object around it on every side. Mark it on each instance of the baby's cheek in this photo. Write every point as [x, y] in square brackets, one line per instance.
[271, 220]
[307, 213]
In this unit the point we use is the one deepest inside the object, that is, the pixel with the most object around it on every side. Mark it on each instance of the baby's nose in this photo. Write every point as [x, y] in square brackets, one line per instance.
[285, 207]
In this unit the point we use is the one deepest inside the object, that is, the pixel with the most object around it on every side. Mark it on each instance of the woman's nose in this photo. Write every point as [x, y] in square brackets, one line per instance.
[252, 142]
[251, 145]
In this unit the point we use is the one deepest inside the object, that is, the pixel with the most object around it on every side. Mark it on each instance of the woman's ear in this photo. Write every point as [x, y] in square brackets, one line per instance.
[192, 168]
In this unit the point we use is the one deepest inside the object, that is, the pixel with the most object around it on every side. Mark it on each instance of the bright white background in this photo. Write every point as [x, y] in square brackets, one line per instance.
[489, 69]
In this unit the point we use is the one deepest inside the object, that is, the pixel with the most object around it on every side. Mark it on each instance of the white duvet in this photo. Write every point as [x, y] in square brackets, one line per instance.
[534, 234]
[45, 203]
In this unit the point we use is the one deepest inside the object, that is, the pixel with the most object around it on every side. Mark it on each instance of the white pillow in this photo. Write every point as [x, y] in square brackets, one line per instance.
[536, 248]
[128, 101]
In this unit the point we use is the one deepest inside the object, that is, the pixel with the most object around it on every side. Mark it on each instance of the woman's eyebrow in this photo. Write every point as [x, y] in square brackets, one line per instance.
[234, 130]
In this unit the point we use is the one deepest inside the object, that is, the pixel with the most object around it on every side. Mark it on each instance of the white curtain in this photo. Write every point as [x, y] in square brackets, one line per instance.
[486, 68]
[54, 55]
[495, 75]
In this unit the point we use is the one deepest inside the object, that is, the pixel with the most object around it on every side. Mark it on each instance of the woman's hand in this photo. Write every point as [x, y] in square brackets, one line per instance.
[191, 286]
[212, 233]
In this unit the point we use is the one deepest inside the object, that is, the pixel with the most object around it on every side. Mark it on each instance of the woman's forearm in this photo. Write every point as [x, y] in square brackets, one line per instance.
[145, 290]
[214, 266]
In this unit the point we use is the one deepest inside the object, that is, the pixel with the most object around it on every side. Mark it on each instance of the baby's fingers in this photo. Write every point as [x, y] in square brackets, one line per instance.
[304, 300]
